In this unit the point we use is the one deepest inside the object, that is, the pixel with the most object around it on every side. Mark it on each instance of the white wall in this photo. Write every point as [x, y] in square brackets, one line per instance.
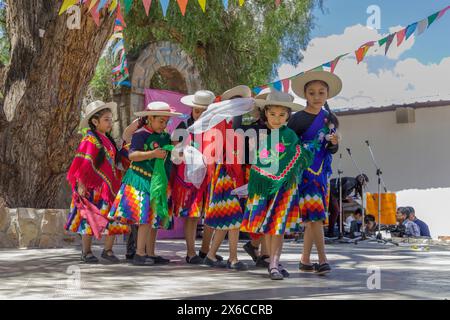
[411, 156]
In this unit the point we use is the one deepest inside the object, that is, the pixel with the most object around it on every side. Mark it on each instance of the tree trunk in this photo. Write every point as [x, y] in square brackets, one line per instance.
[43, 88]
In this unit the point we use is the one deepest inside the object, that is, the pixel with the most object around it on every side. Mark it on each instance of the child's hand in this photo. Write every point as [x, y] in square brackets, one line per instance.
[81, 189]
[334, 139]
[159, 154]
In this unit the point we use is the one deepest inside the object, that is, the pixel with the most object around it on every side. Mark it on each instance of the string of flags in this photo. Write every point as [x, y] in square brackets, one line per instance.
[401, 36]
[94, 6]
[120, 73]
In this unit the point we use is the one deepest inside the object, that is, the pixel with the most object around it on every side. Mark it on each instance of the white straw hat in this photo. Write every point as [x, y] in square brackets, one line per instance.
[93, 108]
[201, 99]
[239, 91]
[157, 108]
[333, 81]
[278, 98]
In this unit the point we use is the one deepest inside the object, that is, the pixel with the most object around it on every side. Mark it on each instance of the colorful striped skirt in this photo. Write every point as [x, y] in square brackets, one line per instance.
[314, 198]
[223, 210]
[185, 200]
[277, 215]
[75, 223]
[132, 206]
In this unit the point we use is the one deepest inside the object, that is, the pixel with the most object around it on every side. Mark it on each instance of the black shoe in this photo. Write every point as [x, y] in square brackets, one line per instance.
[130, 256]
[110, 257]
[203, 255]
[159, 260]
[89, 257]
[240, 266]
[283, 271]
[323, 269]
[214, 264]
[194, 260]
[275, 274]
[261, 262]
[251, 250]
[142, 260]
[308, 267]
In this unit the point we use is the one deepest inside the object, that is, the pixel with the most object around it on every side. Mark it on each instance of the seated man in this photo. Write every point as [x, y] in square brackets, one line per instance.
[411, 229]
[423, 227]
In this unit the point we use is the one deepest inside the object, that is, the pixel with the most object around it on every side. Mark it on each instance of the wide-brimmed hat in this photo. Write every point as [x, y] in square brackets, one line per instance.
[201, 99]
[278, 98]
[333, 81]
[157, 108]
[239, 91]
[93, 108]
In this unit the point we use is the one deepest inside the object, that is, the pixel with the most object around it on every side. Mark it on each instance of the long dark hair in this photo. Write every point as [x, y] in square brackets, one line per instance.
[331, 117]
[102, 153]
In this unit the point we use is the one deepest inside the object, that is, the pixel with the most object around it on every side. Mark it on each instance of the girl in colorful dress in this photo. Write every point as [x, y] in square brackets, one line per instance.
[316, 126]
[94, 177]
[142, 198]
[223, 211]
[273, 203]
[188, 200]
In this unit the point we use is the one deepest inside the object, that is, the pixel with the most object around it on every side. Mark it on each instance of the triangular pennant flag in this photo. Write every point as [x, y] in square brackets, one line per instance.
[335, 62]
[422, 26]
[277, 2]
[257, 90]
[113, 6]
[164, 6]
[286, 84]
[92, 4]
[147, 4]
[119, 16]
[382, 41]
[442, 12]
[95, 14]
[128, 4]
[182, 4]
[319, 68]
[401, 36]
[327, 65]
[410, 30]
[101, 4]
[278, 85]
[389, 42]
[361, 53]
[202, 5]
[225, 4]
[432, 18]
[66, 5]
[241, 2]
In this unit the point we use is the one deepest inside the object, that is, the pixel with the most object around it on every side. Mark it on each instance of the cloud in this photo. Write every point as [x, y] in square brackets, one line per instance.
[404, 81]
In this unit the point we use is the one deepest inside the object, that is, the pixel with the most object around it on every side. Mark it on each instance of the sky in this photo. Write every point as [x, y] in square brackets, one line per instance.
[417, 71]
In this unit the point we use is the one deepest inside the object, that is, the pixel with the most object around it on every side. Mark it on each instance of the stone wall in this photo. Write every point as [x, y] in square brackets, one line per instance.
[34, 228]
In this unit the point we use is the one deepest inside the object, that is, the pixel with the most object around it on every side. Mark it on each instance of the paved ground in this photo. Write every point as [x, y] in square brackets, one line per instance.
[406, 273]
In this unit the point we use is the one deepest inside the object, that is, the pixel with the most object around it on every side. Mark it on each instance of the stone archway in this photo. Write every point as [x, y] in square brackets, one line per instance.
[168, 61]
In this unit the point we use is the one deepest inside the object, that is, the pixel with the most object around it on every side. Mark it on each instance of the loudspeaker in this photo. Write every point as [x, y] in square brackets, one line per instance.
[405, 115]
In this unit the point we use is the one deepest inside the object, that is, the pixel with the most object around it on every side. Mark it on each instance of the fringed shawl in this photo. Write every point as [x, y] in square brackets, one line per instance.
[103, 178]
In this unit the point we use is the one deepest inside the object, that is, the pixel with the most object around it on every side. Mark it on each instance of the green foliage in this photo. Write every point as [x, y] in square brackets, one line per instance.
[4, 39]
[100, 87]
[241, 46]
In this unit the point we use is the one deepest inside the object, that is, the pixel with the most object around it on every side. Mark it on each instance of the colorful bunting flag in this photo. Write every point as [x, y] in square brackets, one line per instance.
[401, 36]
[92, 4]
[164, 6]
[442, 12]
[277, 3]
[225, 4]
[278, 85]
[202, 5]
[182, 4]
[102, 4]
[362, 51]
[96, 14]
[432, 18]
[66, 5]
[147, 4]
[422, 26]
[241, 2]
[120, 16]
[390, 38]
[410, 30]
[128, 4]
[286, 84]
